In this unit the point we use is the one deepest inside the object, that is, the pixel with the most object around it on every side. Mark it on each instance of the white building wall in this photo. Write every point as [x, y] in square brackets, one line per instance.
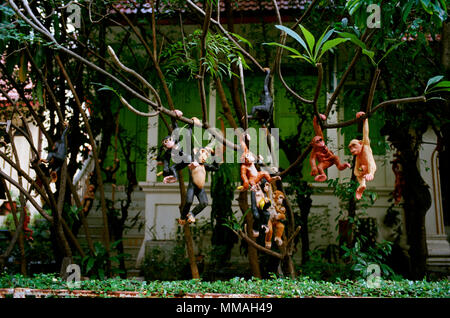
[24, 153]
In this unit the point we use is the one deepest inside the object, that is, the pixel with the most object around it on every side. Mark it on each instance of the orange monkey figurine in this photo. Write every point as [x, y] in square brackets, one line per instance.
[365, 166]
[249, 174]
[322, 154]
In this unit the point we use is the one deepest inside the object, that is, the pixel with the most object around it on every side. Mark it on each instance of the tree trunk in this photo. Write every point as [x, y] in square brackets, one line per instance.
[417, 199]
[416, 195]
[190, 251]
[446, 46]
[304, 203]
[252, 252]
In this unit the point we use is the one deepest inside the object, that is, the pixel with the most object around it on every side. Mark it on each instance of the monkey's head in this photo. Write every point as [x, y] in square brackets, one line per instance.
[317, 143]
[279, 197]
[265, 186]
[355, 146]
[169, 142]
[56, 145]
[248, 158]
[202, 154]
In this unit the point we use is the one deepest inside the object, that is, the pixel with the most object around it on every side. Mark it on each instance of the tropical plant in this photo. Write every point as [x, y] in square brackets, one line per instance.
[95, 266]
[362, 259]
[436, 85]
[314, 49]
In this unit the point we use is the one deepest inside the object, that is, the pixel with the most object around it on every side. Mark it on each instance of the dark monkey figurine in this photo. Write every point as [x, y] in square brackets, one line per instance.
[264, 111]
[260, 203]
[56, 157]
[173, 152]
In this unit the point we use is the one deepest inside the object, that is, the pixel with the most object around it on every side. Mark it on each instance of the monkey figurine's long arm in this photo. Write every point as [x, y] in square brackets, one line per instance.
[366, 139]
[317, 129]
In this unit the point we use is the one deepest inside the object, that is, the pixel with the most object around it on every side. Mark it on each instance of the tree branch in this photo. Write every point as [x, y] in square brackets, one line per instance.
[318, 87]
[406, 100]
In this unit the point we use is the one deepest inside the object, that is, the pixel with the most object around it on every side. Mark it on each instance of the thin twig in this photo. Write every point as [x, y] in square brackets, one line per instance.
[244, 95]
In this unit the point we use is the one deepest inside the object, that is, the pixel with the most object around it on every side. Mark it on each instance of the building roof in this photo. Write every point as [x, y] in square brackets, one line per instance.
[134, 6]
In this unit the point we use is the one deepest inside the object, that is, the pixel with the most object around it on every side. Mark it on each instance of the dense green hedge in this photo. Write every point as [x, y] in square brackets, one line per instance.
[279, 287]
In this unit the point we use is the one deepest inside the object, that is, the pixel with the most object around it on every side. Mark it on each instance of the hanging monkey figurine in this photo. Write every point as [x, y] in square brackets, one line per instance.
[322, 154]
[275, 221]
[264, 112]
[197, 176]
[365, 166]
[173, 151]
[260, 204]
[56, 157]
[249, 174]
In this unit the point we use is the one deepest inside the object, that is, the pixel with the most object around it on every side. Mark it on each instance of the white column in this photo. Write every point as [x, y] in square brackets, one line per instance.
[333, 141]
[438, 246]
[152, 141]
[212, 105]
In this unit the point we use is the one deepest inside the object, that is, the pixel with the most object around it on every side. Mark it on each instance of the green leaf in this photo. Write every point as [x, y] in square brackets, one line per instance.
[447, 89]
[90, 264]
[426, 6]
[331, 44]
[303, 57]
[114, 259]
[293, 34]
[325, 36]
[443, 4]
[406, 10]
[433, 80]
[442, 84]
[242, 39]
[309, 39]
[284, 47]
[101, 273]
[390, 50]
[115, 243]
[352, 6]
[437, 98]
[370, 54]
[353, 38]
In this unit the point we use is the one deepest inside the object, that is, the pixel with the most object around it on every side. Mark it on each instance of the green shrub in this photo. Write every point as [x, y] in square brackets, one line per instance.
[160, 264]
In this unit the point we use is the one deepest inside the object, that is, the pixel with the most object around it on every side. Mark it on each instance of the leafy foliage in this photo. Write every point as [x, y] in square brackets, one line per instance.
[184, 56]
[314, 49]
[277, 287]
[95, 265]
[161, 264]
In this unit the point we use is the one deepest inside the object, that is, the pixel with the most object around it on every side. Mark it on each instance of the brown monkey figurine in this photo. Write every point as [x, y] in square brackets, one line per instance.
[249, 174]
[275, 220]
[365, 166]
[322, 154]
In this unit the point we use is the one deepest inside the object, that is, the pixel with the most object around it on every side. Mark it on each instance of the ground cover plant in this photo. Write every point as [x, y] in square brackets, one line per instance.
[274, 287]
